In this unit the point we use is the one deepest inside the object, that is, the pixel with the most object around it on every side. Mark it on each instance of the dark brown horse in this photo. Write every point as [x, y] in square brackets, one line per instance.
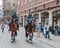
[29, 29]
[13, 28]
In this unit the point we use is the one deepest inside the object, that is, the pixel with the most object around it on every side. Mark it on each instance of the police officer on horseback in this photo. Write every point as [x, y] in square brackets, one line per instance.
[16, 19]
[29, 27]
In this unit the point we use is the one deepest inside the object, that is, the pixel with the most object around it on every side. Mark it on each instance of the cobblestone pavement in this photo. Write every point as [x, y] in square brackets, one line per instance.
[5, 41]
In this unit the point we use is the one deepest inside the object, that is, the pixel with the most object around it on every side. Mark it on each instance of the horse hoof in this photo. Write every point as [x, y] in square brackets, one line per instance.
[12, 41]
[30, 42]
[26, 40]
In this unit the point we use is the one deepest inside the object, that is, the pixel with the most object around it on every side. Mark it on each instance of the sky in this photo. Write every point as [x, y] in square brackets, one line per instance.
[0, 2]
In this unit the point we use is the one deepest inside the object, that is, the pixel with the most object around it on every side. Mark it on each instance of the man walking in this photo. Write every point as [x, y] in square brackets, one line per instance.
[2, 27]
[47, 35]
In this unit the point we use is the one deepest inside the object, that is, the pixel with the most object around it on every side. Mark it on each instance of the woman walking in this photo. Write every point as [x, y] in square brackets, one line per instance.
[38, 29]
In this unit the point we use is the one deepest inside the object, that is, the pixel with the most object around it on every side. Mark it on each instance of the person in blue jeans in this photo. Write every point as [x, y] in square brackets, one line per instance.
[38, 29]
[56, 30]
[2, 27]
[47, 34]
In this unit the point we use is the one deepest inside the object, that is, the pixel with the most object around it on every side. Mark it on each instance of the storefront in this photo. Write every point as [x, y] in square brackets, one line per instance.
[56, 18]
[44, 18]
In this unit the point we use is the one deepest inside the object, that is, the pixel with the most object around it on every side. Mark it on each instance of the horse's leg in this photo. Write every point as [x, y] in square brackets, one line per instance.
[26, 36]
[31, 36]
[13, 36]
[16, 33]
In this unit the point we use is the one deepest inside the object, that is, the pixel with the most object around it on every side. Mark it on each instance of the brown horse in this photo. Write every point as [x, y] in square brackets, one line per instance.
[13, 28]
[29, 29]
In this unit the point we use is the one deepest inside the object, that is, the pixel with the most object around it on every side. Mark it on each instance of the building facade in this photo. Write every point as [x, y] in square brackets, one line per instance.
[44, 11]
[9, 7]
[1, 8]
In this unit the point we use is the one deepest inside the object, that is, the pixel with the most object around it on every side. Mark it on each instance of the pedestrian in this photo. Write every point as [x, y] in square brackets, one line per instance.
[2, 27]
[44, 33]
[56, 30]
[47, 32]
[38, 29]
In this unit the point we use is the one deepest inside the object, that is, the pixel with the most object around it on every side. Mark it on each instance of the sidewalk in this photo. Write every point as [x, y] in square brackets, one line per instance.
[54, 42]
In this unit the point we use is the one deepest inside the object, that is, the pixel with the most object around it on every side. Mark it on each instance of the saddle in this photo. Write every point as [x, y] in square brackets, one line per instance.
[13, 27]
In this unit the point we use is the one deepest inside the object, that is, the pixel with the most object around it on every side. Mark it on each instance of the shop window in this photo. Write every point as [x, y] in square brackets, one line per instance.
[45, 14]
[36, 16]
[56, 13]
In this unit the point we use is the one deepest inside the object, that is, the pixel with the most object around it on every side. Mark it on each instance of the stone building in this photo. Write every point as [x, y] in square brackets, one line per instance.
[44, 11]
[10, 6]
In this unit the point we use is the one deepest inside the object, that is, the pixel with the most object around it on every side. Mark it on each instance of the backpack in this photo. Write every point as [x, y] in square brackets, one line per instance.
[47, 28]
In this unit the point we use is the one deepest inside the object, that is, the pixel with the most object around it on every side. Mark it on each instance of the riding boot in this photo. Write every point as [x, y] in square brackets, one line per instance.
[14, 37]
[15, 33]
[26, 37]
[11, 36]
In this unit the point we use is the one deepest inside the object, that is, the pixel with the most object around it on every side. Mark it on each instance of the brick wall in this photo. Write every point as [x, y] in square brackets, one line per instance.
[50, 4]
[59, 2]
[33, 3]
[40, 7]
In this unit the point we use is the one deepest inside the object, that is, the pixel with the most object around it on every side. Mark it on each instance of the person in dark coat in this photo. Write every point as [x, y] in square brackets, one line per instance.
[56, 30]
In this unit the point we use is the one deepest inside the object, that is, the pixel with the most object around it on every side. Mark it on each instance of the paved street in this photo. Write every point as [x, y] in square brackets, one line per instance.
[5, 41]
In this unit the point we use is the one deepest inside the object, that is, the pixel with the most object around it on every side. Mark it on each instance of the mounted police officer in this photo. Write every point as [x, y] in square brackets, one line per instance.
[29, 28]
[16, 19]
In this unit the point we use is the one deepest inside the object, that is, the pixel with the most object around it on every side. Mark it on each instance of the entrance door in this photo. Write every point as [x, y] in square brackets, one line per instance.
[55, 21]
